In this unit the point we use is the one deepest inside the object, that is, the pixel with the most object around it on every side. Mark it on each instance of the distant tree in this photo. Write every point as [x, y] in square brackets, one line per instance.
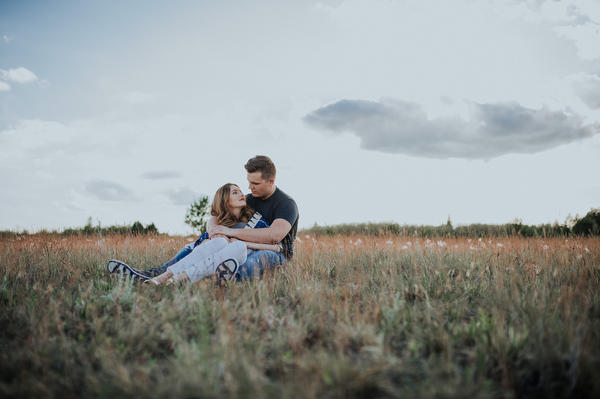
[150, 229]
[137, 228]
[197, 214]
[589, 224]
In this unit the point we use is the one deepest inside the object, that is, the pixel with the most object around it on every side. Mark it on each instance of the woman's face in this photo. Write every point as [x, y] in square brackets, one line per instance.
[237, 199]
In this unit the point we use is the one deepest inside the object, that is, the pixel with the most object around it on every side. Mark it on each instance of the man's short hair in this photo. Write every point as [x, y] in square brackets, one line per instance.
[263, 164]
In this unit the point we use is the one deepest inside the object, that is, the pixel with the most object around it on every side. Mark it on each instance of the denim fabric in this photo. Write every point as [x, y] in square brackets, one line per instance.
[257, 222]
[185, 251]
[258, 261]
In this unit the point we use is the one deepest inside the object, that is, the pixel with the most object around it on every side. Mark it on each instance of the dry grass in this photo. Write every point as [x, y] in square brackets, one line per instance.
[349, 317]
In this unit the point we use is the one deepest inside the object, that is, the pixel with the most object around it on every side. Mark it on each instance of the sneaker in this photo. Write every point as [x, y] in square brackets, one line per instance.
[118, 267]
[226, 271]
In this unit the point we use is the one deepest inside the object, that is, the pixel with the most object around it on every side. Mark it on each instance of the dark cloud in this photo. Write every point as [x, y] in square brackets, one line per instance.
[589, 92]
[109, 191]
[579, 16]
[492, 130]
[159, 175]
[182, 196]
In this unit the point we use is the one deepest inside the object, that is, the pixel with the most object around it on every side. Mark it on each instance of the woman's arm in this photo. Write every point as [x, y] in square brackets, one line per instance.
[211, 222]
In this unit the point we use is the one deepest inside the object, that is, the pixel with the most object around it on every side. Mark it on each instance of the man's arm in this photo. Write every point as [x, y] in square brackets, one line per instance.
[270, 235]
[258, 247]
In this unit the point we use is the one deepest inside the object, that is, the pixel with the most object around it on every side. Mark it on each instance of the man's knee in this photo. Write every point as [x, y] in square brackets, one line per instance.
[258, 261]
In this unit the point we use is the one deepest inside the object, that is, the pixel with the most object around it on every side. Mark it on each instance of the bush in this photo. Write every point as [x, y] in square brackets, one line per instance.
[589, 225]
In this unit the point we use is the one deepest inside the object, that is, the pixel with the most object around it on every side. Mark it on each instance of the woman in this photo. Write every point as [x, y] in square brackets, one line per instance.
[228, 209]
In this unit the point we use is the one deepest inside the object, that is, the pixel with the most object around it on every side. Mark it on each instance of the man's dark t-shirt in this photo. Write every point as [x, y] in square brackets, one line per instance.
[278, 206]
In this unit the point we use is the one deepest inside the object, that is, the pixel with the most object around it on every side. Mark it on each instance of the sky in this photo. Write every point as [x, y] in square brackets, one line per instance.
[405, 111]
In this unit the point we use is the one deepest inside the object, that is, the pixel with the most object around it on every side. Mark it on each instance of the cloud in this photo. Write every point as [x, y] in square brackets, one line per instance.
[578, 23]
[136, 97]
[183, 196]
[159, 175]
[109, 191]
[589, 92]
[4, 86]
[492, 130]
[19, 75]
[7, 38]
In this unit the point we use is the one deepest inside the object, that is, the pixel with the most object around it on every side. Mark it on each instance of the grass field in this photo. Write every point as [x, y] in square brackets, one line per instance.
[350, 317]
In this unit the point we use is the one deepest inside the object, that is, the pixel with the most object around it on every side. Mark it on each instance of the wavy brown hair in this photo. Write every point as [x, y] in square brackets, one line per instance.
[220, 208]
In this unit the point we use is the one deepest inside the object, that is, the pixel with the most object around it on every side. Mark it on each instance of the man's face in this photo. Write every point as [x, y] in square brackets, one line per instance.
[259, 187]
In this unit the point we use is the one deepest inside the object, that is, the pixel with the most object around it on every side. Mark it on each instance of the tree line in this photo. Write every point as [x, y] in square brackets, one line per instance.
[197, 215]
[589, 225]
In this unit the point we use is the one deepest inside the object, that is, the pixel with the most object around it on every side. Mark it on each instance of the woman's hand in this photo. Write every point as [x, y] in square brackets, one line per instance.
[221, 231]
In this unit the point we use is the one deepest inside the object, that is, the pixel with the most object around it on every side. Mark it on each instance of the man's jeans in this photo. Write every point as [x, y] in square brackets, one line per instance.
[258, 261]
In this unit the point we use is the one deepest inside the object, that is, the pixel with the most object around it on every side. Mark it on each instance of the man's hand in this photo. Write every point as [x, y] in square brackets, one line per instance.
[221, 231]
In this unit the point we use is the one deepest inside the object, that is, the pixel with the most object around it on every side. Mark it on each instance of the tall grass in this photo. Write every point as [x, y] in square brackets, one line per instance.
[351, 316]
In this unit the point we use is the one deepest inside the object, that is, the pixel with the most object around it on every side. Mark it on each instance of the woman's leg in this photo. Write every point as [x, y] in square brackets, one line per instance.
[205, 267]
[185, 251]
[200, 252]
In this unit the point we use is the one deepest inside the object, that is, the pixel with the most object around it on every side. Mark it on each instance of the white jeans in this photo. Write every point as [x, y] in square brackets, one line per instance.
[204, 259]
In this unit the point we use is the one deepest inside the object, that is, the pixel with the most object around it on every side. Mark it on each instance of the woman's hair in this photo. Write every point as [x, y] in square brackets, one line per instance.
[220, 208]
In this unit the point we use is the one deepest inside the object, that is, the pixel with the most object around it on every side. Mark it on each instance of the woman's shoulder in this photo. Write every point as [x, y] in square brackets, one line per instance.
[239, 225]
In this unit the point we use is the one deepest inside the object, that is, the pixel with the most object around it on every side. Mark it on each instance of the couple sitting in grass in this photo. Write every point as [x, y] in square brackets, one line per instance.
[245, 234]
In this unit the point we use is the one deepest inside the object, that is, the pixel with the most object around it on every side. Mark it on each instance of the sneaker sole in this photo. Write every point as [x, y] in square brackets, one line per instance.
[116, 266]
[227, 270]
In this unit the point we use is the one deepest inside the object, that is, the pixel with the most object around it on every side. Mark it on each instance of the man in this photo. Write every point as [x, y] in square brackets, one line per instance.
[278, 209]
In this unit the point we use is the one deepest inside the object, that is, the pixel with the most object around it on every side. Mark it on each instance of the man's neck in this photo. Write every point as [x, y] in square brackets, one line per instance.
[270, 194]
